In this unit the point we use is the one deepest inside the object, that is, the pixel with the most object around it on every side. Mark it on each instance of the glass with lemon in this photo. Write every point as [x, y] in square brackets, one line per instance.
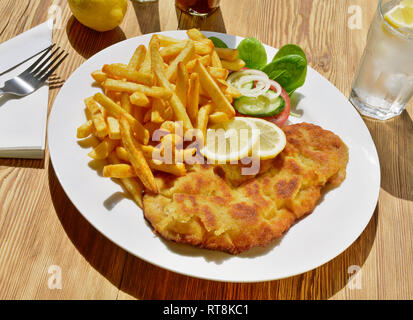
[384, 83]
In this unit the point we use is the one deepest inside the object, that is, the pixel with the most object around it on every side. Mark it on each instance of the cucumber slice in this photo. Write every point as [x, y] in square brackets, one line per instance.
[267, 105]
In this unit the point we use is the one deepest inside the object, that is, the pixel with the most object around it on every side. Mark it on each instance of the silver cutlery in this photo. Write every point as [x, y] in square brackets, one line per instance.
[36, 75]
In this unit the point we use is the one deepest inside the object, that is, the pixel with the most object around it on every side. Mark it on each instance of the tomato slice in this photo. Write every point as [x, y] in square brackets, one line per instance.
[281, 118]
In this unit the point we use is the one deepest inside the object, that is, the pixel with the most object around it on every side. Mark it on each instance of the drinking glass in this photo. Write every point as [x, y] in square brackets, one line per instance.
[198, 7]
[384, 82]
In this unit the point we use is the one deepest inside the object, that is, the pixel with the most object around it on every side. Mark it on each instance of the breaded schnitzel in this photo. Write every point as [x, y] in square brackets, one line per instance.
[215, 207]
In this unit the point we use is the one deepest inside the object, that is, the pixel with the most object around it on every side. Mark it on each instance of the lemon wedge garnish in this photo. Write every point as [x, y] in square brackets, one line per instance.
[272, 139]
[230, 141]
[401, 16]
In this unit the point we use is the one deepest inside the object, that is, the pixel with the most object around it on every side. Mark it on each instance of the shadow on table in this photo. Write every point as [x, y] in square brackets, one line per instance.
[146, 281]
[107, 258]
[148, 16]
[393, 140]
[214, 22]
[22, 163]
[87, 42]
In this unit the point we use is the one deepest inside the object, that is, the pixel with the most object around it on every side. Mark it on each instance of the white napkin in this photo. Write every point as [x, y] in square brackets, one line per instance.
[23, 120]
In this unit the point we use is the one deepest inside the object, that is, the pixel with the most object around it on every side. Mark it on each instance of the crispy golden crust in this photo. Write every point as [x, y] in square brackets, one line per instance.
[215, 207]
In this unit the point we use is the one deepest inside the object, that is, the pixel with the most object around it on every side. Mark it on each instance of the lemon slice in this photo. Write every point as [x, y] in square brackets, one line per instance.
[401, 16]
[230, 140]
[272, 139]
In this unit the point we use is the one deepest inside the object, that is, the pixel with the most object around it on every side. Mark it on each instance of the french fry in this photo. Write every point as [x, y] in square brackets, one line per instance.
[156, 116]
[203, 99]
[132, 185]
[165, 41]
[202, 120]
[89, 142]
[222, 84]
[175, 86]
[147, 116]
[210, 86]
[100, 125]
[160, 111]
[131, 87]
[177, 169]
[173, 127]
[170, 52]
[229, 98]
[125, 102]
[218, 73]
[99, 76]
[176, 104]
[113, 128]
[121, 71]
[138, 113]
[167, 113]
[139, 99]
[122, 154]
[113, 95]
[146, 65]
[183, 57]
[116, 110]
[230, 90]
[204, 47]
[193, 97]
[227, 53]
[92, 106]
[85, 130]
[137, 58]
[136, 157]
[181, 83]
[120, 171]
[235, 65]
[102, 150]
[215, 60]
[149, 152]
[218, 117]
[195, 34]
[204, 60]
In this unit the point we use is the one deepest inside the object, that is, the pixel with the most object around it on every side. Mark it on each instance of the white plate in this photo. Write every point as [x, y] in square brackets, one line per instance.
[335, 224]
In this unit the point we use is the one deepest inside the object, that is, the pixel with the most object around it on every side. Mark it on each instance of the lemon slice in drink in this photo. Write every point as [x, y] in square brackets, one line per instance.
[272, 139]
[230, 140]
[401, 16]
[407, 3]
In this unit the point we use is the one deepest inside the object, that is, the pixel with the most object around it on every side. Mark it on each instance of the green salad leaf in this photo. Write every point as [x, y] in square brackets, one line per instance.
[289, 71]
[289, 49]
[253, 53]
[218, 43]
[288, 67]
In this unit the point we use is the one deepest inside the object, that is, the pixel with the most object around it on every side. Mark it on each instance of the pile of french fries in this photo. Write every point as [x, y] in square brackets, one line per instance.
[177, 87]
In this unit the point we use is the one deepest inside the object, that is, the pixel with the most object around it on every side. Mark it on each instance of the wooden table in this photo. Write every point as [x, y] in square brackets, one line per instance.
[40, 228]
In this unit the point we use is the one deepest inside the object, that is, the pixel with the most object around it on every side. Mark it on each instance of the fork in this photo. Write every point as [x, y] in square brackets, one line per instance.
[36, 75]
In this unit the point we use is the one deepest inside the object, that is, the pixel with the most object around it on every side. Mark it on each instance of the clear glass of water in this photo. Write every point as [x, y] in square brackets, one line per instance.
[384, 83]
